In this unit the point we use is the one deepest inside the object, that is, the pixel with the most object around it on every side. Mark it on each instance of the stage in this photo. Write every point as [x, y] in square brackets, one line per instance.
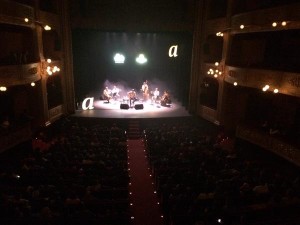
[102, 109]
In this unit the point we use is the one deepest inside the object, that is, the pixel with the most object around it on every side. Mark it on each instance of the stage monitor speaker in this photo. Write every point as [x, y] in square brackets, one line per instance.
[124, 106]
[139, 106]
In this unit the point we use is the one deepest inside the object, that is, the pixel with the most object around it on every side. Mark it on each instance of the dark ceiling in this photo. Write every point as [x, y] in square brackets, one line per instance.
[133, 15]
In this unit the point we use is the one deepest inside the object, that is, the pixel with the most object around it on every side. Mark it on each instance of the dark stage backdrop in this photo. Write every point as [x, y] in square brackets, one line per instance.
[94, 67]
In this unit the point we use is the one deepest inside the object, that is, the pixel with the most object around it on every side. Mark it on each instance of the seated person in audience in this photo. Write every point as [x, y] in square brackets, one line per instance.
[5, 122]
[274, 130]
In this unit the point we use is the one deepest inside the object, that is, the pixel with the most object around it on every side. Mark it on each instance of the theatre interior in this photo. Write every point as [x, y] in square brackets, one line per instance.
[170, 112]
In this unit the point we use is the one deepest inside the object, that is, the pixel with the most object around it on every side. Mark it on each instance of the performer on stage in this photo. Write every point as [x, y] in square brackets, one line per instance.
[132, 97]
[165, 99]
[155, 95]
[145, 90]
[106, 94]
[115, 92]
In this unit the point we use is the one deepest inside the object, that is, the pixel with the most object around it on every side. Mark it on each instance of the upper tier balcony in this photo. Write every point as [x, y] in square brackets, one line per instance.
[15, 14]
[272, 19]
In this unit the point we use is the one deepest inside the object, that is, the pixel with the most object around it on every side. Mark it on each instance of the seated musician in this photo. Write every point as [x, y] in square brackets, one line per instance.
[155, 95]
[132, 97]
[106, 94]
[115, 92]
[165, 99]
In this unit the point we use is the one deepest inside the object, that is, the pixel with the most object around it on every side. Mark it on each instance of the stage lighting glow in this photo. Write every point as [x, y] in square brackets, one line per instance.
[141, 59]
[119, 58]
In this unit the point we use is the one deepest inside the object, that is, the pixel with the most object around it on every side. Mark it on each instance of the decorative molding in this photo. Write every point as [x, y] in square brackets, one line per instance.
[208, 113]
[55, 112]
[286, 82]
[19, 74]
[32, 71]
[295, 81]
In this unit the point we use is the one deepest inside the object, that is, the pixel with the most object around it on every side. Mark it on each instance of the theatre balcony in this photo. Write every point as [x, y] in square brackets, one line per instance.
[15, 13]
[19, 74]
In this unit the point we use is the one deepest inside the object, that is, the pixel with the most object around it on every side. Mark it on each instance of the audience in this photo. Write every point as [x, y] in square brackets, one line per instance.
[76, 172]
[77, 176]
[201, 182]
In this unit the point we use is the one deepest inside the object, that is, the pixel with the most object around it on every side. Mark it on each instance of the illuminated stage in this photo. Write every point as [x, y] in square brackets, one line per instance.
[102, 109]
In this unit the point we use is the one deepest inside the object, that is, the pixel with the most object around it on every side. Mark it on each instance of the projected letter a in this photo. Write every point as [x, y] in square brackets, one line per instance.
[173, 51]
[91, 103]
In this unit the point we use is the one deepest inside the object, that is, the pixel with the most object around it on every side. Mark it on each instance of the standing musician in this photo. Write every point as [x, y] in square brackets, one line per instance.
[106, 94]
[155, 95]
[132, 97]
[145, 90]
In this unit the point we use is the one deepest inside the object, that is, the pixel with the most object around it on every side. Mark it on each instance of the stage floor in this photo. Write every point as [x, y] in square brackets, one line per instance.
[102, 109]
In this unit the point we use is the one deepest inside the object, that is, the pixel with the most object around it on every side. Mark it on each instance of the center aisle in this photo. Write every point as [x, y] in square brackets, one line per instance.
[145, 208]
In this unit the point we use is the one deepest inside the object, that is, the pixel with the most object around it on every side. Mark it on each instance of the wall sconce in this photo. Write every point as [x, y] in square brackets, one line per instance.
[216, 71]
[274, 24]
[219, 34]
[45, 26]
[267, 87]
[2, 88]
[283, 23]
[51, 69]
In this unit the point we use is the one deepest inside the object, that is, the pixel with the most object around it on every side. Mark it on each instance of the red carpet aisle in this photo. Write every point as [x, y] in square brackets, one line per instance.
[145, 209]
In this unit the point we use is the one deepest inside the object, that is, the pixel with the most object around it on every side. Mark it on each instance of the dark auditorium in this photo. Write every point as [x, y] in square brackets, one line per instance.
[146, 112]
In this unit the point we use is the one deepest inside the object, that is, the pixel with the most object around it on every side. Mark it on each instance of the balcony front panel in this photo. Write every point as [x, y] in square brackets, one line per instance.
[261, 20]
[55, 113]
[15, 13]
[266, 141]
[19, 75]
[286, 83]
[208, 114]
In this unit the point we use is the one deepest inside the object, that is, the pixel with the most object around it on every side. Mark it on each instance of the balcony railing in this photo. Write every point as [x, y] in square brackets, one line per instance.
[286, 82]
[19, 74]
[269, 142]
[14, 13]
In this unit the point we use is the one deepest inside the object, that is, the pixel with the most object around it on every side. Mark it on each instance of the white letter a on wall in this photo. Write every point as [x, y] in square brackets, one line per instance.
[173, 51]
[90, 105]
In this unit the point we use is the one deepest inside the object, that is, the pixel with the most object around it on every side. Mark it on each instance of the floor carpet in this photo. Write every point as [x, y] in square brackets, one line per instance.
[145, 208]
